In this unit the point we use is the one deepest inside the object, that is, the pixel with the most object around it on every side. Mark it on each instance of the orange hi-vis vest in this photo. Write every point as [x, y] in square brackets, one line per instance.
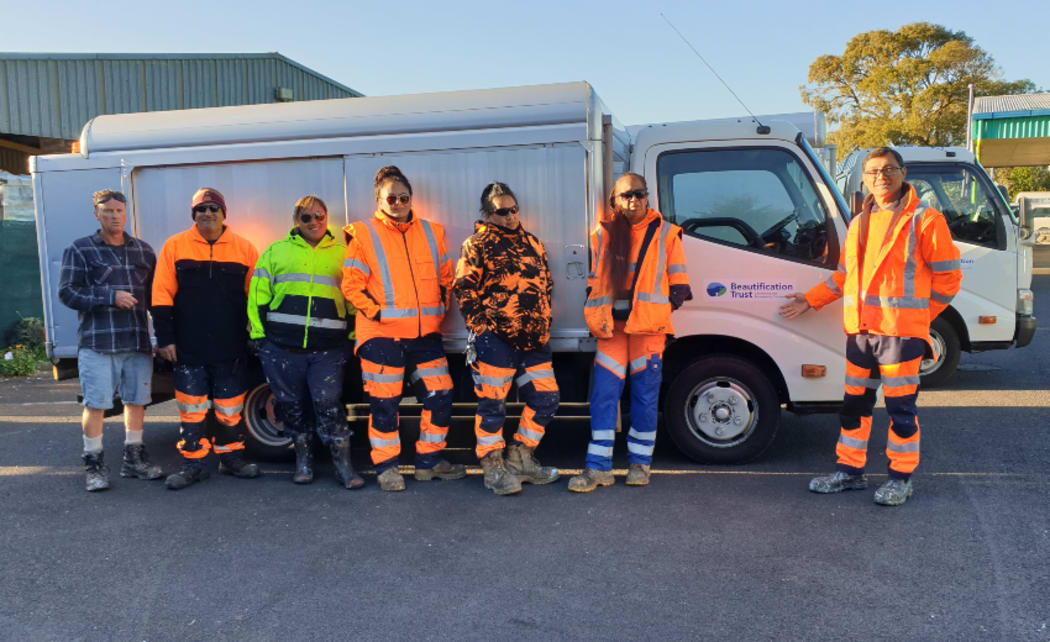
[662, 267]
[397, 275]
[894, 283]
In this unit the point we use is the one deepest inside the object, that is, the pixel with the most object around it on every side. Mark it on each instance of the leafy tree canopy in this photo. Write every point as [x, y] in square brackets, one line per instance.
[904, 87]
[1024, 179]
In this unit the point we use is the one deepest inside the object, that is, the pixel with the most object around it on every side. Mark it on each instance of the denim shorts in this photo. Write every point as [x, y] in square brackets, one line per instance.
[102, 374]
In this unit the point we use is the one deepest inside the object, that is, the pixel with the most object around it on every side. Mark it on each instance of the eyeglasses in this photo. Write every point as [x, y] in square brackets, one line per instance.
[200, 209]
[306, 217]
[885, 171]
[638, 194]
[400, 198]
[505, 211]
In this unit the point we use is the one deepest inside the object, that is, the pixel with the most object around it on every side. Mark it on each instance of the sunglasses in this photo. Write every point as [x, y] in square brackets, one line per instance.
[306, 217]
[200, 209]
[638, 194]
[505, 211]
[400, 198]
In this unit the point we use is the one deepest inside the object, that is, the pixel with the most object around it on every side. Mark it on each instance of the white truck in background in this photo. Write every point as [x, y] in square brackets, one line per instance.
[761, 218]
[1033, 210]
[994, 309]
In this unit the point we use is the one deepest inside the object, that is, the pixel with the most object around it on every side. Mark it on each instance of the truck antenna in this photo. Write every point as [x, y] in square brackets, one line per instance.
[762, 129]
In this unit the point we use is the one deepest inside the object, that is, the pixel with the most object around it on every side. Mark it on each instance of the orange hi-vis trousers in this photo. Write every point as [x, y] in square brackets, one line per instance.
[893, 362]
[384, 363]
[220, 387]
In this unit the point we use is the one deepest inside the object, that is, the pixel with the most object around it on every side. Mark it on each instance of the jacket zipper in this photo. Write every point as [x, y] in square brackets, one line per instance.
[309, 300]
[419, 309]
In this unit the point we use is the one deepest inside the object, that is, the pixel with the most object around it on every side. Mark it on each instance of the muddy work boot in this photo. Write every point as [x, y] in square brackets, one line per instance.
[638, 475]
[522, 463]
[96, 473]
[189, 475]
[498, 478]
[443, 470]
[344, 472]
[137, 464]
[837, 482]
[391, 480]
[590, 479]
[235, 464]
[894, 492]
[304, 459]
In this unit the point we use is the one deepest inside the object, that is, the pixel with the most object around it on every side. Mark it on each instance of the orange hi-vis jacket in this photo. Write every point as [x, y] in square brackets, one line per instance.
[397, 275]
[662, 267]
[900, 278]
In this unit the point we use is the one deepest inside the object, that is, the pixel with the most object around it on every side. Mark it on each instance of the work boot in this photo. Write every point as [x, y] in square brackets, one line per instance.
[637, 475]
[344, 472]
[190, 474]
[96, 472]
[894, 492]
[498, 478]
[837, 482]
[137, 463]
[590, 479]
[235, 464]
[522, 463]
[391, 480]
[304, 459]
[444, 469]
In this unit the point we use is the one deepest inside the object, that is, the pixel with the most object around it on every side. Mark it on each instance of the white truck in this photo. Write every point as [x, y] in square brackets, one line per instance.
[1033, 210]
[993, 311]
[762, 218]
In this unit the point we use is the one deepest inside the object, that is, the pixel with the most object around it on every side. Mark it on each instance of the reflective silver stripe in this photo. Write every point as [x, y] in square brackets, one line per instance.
[382, 378]
[305, 278]
[383, 443]
[834, 287]
[642, 436]
[603, 435]
[910, 447]
[907, 380]
[428, 230]
[610, 363]
[490, 441]
[652, 297]
[434, 312]
[354, 264]
[598, 301]
[431, 438]
[853, 443]
[495, 381]
[941, 298]
[397, 313]
[438, 371]
[677, 269]
[864, 383]
[444, 257]
[535, 374]
[529, 434]
[298, 319]
[229, 411]
[909, 263]
[910, 303]
[622, 304]
[640, 449]
[655, 296]
[261, 273]
[193, 407]
[946, 266]
[384, 267]
[599, 451]
[638, 363]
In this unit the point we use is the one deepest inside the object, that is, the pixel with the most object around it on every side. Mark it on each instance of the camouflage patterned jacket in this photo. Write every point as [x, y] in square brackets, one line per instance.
[503, 283]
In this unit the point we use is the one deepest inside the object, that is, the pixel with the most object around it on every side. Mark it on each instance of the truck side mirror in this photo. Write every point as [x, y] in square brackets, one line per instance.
[856, 202]
[1024, 218]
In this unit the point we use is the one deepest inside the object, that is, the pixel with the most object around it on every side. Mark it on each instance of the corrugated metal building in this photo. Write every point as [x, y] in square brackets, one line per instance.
[1013, 130]
[45, 99]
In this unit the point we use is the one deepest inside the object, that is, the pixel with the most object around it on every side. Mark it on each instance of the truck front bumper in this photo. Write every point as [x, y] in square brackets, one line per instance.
[1025, 330]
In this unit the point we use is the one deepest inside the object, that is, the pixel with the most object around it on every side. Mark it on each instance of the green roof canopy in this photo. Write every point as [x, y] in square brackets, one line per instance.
[1012, 131]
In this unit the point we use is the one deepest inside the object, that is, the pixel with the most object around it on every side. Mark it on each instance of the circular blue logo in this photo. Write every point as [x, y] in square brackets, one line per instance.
[715, 289]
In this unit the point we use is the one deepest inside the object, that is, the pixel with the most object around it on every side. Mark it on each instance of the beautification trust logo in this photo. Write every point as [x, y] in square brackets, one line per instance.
[715, 289]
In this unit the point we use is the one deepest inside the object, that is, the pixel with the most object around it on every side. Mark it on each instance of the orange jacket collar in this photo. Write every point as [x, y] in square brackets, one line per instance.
[400, 226]
[197, 236]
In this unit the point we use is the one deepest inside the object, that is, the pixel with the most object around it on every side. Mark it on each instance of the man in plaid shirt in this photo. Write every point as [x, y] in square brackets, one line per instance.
[106, 278]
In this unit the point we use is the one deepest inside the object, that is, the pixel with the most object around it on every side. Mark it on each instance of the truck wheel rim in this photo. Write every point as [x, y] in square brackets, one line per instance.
[932, 364]
[260, 419]
[721, 412]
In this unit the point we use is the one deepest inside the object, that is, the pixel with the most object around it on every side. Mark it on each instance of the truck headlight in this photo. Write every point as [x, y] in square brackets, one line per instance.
[1025, 302]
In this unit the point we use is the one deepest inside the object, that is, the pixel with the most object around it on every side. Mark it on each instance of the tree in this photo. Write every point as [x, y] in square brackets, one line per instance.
[904, 87]
[1024, 179]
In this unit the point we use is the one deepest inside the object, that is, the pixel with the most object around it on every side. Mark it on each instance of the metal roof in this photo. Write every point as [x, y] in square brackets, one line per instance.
[1011, 103]
[52, 95]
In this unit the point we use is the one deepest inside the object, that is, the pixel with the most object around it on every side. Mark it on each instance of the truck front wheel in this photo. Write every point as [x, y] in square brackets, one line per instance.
[266, 439]
[940, 363]
[722, 410]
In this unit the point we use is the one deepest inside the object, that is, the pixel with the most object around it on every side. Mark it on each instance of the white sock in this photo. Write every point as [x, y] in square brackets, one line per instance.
[132, 437]
[92, 444]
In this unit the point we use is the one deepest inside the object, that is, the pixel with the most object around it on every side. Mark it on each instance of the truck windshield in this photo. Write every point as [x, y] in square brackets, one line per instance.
[825, 176]
[964, 195]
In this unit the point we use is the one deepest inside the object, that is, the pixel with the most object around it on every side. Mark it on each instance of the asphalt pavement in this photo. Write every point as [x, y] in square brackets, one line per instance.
[704, 552]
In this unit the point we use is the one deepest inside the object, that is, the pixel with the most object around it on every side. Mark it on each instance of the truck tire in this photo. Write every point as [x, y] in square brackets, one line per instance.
[940, 364]
[722, 409]
[265, 438]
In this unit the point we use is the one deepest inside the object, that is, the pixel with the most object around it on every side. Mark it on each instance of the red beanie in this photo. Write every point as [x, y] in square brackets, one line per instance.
[208, 196]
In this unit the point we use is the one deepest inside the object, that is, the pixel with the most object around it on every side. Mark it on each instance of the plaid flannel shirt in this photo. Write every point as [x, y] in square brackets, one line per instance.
[92, 274]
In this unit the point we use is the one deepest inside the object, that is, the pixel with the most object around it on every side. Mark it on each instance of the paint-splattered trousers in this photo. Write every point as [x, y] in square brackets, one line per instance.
[308, 388]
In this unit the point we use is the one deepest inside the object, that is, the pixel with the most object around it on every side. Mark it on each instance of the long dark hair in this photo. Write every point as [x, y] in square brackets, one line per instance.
[617, 256]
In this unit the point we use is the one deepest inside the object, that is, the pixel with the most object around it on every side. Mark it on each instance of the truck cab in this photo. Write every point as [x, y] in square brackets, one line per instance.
[994, 308]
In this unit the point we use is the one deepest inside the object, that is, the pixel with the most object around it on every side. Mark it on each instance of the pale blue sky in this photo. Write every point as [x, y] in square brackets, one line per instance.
[638, 65]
